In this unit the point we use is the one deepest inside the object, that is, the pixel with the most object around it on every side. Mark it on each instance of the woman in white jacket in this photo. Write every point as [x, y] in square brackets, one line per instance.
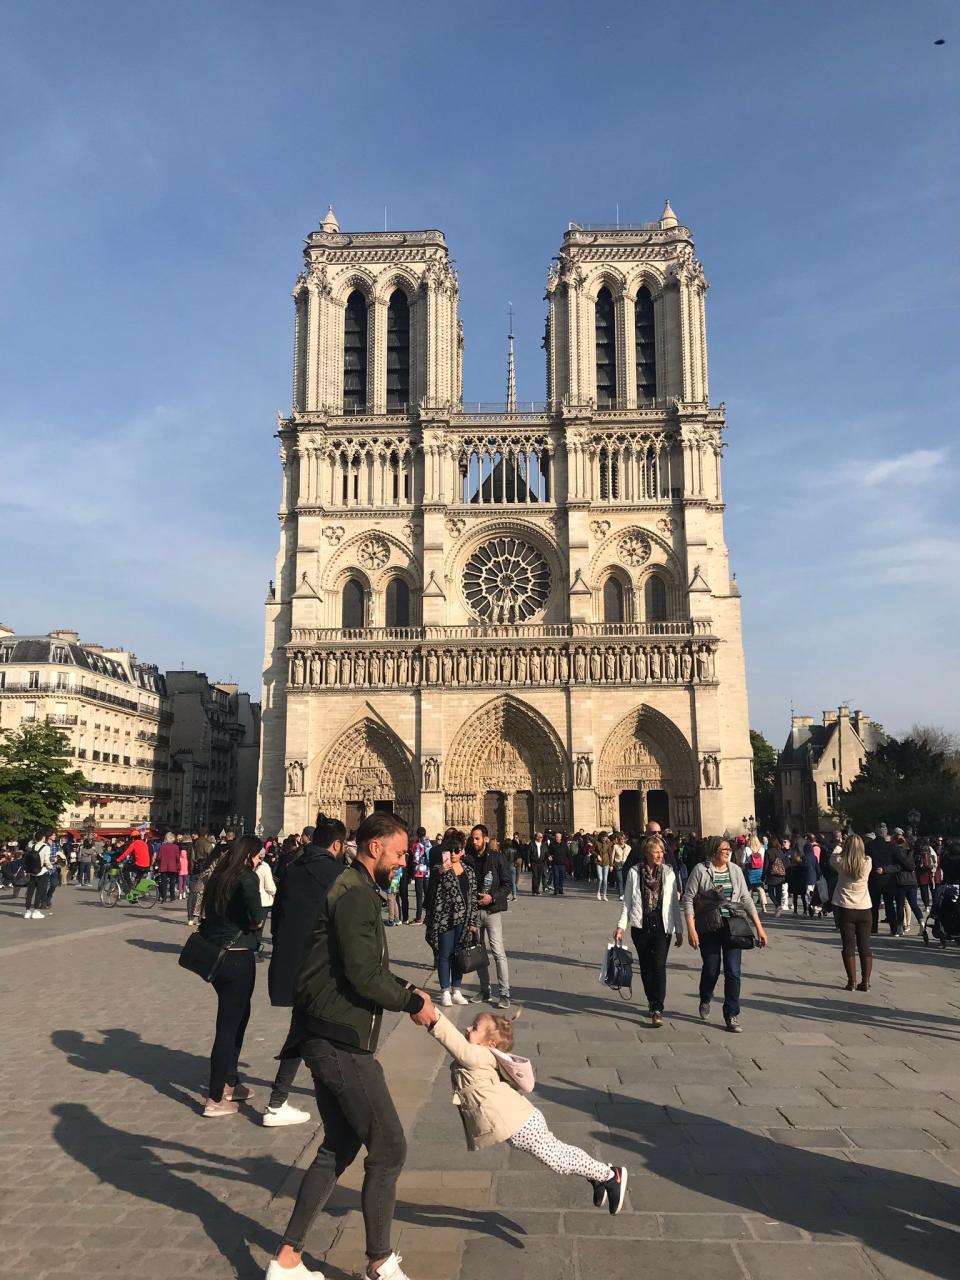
[652, 909]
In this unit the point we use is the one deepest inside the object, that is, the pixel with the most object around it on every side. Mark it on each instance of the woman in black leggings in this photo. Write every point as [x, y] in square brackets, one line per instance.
[233, 917]
[851, 902]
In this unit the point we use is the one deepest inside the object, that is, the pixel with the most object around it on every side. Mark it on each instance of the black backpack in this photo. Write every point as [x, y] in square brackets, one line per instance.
[32, 863]
[948, 913]
[618, 973]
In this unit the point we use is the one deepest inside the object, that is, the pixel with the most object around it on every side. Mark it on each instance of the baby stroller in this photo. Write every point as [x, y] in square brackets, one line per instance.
[944, 921]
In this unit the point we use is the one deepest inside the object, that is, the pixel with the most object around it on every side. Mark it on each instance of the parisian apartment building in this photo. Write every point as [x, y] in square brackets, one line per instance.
[818, 761]
[117, 717]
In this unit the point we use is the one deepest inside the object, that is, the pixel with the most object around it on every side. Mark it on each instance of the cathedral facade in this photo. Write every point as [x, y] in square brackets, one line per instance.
[522, 617]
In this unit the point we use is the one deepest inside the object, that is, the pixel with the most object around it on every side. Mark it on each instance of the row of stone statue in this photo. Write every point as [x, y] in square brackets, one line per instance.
[595, 664]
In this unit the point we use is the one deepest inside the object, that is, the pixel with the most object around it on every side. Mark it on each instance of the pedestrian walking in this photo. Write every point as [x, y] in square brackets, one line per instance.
[852, 907]
[38, 865]
[168, 868]
[342, 989]
[301, 893]
[538, 852]
[493, 892]
[183, 871]
[557, 854]
[604, 859]
[715, 890]
[232, 919]
[905, 887]
[489, 1083]
[651, 908]
[452, 910]
[776, 874]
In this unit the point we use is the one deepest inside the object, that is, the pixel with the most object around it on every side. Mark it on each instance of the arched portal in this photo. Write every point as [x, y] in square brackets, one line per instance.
[365, 769]
[507, 768]
[646, 774]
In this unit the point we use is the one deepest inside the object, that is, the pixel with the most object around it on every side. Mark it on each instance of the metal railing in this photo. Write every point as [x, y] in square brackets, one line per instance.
[60, 719]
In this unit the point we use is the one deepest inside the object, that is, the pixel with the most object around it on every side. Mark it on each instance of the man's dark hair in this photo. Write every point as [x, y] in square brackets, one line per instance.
[481, 828]
[328, 831]
[377, 826]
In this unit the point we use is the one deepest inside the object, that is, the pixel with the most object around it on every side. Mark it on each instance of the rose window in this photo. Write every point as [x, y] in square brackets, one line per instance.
[506, 580]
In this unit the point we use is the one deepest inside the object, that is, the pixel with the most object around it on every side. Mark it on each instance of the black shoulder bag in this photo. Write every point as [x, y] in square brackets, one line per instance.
[203, 957]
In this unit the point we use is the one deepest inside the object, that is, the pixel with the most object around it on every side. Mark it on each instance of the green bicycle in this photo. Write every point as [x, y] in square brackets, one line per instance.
[146, 893]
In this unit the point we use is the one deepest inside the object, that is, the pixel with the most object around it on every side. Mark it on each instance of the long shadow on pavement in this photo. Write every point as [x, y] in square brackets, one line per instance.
[903, 1216]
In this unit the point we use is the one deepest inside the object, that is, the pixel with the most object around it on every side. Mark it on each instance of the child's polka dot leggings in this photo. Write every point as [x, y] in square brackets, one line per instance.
[536, 1139]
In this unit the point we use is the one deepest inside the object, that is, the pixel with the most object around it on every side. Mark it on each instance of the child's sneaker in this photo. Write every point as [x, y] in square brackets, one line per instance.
[616, 1189]
[599, 1194]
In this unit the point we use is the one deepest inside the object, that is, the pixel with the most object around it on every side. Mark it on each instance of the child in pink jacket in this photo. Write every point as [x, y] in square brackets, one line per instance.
[489, 1085]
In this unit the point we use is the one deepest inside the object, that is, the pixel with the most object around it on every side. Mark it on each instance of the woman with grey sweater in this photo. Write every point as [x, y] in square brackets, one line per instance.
[724, 877]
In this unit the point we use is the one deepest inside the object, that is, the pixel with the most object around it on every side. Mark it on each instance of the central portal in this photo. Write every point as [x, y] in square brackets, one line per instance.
[508, 813]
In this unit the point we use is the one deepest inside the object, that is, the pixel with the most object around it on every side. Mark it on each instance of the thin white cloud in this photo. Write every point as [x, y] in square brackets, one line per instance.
[918, 467]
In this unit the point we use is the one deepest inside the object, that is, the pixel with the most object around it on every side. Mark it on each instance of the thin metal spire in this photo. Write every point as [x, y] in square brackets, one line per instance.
[511, 367]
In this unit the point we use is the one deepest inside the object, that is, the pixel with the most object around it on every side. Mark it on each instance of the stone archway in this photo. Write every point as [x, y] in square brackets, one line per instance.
[646, 771]
[366, 768]
[508, 764]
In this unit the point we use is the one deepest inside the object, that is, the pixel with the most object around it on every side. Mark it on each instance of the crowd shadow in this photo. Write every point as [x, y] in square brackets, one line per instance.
[903, 1216]
[149, 944]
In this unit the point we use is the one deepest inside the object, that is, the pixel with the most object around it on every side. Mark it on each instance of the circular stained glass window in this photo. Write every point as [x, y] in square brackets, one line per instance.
[506, 580]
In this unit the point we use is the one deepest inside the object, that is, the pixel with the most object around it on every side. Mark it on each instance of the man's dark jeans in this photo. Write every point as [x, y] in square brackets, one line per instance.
[357, 1111]
[713, 951]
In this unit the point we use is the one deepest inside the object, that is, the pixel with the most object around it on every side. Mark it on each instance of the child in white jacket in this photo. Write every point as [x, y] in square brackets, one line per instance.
[487, 1080]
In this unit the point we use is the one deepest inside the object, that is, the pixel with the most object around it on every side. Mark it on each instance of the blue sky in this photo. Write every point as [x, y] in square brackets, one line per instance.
[163, 161]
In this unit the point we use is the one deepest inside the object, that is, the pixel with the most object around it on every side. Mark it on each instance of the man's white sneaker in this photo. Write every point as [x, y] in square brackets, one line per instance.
[459, 997]
[299, 1272]
[38, 915]
[276, 1117]
[28, 915]
[389, 1269]
[446, 999]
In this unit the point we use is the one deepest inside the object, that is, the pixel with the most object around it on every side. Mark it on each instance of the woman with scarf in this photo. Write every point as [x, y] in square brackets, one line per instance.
[652, 909]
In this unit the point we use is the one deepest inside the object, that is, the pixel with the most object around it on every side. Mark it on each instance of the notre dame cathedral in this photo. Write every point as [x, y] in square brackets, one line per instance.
[524, 616]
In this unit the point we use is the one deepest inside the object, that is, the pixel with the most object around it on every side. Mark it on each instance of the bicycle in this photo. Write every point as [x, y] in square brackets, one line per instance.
[145, 893]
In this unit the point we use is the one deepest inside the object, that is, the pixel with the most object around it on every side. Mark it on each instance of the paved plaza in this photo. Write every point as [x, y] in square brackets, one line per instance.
[824, 1141]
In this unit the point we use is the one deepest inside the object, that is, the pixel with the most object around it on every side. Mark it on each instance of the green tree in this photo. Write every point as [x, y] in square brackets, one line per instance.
[900, 777]
[36, 780]
[764, 780]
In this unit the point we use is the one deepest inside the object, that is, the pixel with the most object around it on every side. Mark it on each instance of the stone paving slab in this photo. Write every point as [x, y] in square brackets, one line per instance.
[823, 1142]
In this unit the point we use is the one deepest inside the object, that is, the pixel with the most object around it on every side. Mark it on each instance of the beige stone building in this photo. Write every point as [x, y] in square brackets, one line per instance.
[480, 612]
[819, 761]
[114, 713]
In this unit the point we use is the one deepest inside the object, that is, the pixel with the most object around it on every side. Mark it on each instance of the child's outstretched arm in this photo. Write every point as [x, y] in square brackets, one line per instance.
[459, 1047]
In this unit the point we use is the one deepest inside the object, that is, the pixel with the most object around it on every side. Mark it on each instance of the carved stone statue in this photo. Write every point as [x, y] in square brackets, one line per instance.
[536, 667]
[415, 668]
[521, 666]
[476, 666]
[626, 665]
[686, 666]
[345, 666]
[376, 674]
[550, 666]
[505, 666]
[583, 772]
[610, 665]
[403, 668]
[656, 669]
[360, 669]
[671, 664]
[431, 774]
[433, 669]
[388, 667]
[314, 669]
[490, 664]
[580, 666]
[564, 667]
[295, 779]
[461, 667]
[702, 664]
[641, 663]
[446, 666]
[595, 668]
[298, 669]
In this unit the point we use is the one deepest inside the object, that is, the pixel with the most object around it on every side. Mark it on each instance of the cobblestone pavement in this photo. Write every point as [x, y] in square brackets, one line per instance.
[824, 1141]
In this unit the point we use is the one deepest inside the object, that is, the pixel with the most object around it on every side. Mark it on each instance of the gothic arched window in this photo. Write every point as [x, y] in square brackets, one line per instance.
[398, 352]
[355, 354]
[352, 612]
[646, 348]
[398, 604]
[655, 594]
[613, 610]
[606, 351]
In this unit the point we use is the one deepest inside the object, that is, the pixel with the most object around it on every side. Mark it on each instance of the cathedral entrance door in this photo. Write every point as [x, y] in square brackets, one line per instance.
[383, 806]
[658, 808]
[631, 813]
[353, 815]
[494, 814]
[522, 815]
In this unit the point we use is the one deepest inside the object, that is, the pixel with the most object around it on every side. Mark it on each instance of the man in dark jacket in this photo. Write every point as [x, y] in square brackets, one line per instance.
[537, 854]
[340, 994]
[300, 895]
[494, 885]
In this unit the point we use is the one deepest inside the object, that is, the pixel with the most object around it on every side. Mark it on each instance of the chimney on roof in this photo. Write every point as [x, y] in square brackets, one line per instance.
[801, 722]
[829, 717]
[73, 637]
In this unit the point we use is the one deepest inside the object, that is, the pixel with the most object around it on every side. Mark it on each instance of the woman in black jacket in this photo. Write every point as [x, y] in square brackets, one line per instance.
[451, 915]
[232, 918]
[905, 890]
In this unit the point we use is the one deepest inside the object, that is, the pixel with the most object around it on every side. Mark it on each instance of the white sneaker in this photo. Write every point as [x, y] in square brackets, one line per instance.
[299, 1272]
[389, 1269]
[38, 915]
[446, 999]
[459, 997]
[604, 897]
[28, 915]
[598, 897]
[275, 1117]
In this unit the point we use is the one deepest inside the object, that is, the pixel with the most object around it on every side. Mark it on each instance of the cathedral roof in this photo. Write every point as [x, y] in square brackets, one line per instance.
[668, 218]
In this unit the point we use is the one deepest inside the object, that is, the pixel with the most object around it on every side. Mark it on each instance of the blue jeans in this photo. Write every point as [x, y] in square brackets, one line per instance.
[449, 972]
[604, 874]
[713, 951]
[558, 877]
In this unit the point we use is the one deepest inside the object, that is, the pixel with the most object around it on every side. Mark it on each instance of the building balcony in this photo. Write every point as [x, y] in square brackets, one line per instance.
[62, 720]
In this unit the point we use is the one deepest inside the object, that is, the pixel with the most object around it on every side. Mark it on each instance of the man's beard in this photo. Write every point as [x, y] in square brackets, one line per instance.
[382, 877]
